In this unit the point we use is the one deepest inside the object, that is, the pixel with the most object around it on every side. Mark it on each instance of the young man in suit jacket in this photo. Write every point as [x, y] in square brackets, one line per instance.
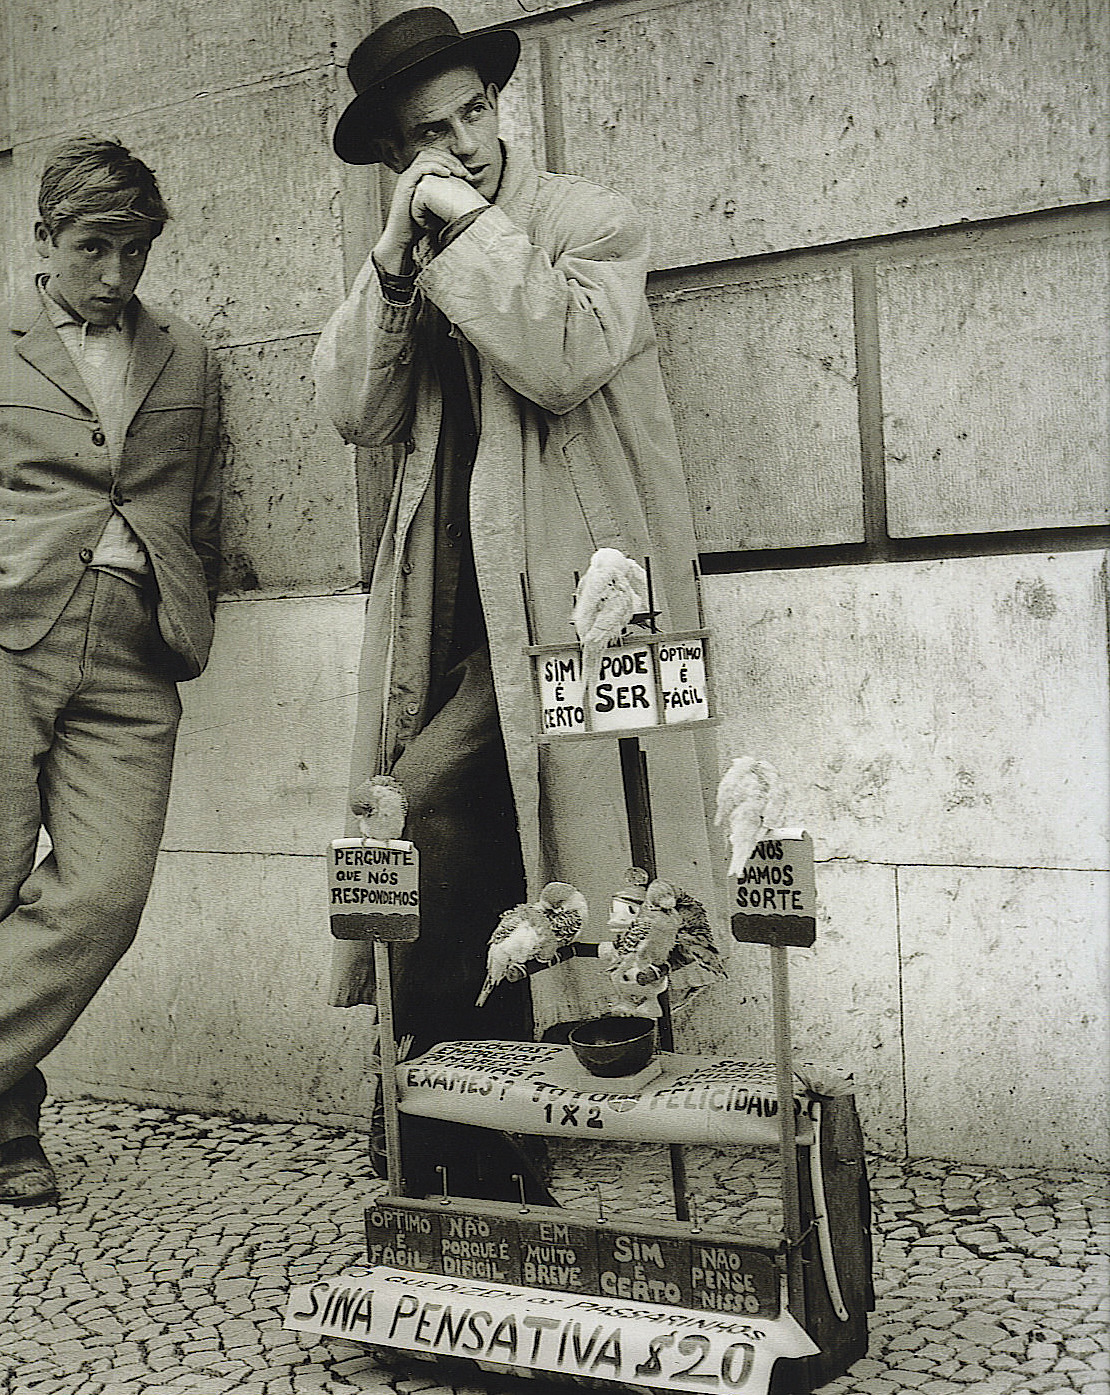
[109, 513]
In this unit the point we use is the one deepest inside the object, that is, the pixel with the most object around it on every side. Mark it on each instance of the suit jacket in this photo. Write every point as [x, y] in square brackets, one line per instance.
[58, 485]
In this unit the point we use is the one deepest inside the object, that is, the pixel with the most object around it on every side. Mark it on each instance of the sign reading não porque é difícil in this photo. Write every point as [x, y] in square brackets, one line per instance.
[373, 889]
[660, 680]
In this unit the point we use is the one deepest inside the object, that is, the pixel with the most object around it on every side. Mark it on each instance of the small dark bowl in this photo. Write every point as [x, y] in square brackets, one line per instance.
[611, 1046]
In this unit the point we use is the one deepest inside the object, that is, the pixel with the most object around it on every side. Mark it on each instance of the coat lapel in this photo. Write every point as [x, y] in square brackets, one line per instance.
[41, 345]
[150, 353]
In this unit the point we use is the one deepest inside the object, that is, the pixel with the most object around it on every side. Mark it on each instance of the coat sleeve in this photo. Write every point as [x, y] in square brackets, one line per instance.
[363, 365]
[205, 521]
[555, 322]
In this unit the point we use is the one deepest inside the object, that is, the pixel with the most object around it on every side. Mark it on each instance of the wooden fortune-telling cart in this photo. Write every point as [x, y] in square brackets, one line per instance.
[576, 1294]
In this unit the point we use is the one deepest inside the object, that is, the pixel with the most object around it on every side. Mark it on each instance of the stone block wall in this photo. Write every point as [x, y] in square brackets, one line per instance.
[879, 283]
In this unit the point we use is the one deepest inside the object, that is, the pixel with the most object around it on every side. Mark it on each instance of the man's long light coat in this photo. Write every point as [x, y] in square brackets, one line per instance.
[577, 451]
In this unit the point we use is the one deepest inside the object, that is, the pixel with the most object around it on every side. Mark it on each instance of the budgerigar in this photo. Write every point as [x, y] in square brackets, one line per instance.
[612, 591]
[695, 944]
[381, 806]
[536, 930]
[566, 909]
[641, 951]
[751, 800]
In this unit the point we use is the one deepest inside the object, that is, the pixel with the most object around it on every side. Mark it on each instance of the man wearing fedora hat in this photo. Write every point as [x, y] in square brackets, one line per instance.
[499, 333]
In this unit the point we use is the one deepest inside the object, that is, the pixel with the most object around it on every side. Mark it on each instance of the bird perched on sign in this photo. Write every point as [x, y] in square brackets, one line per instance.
[536, 930]
[751, 799]
[381, 805]
[613, 591]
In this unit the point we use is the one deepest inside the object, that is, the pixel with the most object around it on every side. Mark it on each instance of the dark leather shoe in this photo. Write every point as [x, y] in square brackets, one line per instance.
[26, 1177]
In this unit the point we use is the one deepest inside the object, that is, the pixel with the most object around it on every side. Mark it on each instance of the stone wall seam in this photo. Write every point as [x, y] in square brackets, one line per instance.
[903, 1064]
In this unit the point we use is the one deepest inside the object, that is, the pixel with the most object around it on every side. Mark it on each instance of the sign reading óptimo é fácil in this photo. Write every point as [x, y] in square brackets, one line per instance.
[655, 681]
[373, 889]
[775, 902]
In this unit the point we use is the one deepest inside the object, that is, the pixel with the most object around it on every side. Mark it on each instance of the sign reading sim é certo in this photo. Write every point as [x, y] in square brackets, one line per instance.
[373, 889]
[656, 681]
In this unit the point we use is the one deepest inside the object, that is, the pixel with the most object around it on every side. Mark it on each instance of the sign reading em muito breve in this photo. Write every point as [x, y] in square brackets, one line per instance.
[656, 681]
[373, 889]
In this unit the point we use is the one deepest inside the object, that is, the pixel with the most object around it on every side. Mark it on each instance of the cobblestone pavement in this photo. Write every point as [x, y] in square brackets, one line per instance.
[166, 1266]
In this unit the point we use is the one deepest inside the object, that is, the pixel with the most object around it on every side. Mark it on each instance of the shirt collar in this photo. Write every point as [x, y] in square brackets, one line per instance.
[61, 315]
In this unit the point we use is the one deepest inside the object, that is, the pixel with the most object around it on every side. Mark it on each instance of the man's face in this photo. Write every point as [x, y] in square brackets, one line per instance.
[452, 111]
[95, 267]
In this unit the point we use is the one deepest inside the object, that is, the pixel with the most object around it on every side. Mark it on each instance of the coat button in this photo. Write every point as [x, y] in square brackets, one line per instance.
[86, 554]
[411, 708]
[454, 531]
[98, 438]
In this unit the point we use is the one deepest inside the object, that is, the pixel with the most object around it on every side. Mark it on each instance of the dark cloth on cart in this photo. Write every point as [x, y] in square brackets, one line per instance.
[461, 815]
[462, 819]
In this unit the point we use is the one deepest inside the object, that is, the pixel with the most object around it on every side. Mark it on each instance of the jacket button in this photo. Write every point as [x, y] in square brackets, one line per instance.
[86, 554]
[454, 531]
[411, 708]
[98, 438]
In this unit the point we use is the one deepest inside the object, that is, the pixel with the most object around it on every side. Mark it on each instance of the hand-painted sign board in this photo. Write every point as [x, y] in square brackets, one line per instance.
[536, 1087]
[637, 686]
[568, 1334]
[373, 889]
[775, 900]
[666, 1262]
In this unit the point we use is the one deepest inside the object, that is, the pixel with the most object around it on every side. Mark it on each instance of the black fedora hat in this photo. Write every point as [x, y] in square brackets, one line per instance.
[398, 48]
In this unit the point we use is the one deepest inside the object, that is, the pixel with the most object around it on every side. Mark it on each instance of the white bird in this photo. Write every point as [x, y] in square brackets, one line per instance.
[381, 805]
[535, 930]
[613, 590]
[751, 799]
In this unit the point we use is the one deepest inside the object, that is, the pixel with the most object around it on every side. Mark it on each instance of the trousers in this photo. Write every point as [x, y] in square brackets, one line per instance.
[462, 819]
[88, 722]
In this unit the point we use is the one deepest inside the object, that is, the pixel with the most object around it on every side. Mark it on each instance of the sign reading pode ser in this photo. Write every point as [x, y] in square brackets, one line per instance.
[624, 692]
[776, 897]
[659, 680]
[373, 889]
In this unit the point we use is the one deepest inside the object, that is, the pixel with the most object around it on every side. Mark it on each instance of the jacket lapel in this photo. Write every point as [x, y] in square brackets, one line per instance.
[150, 353]
[41, 345]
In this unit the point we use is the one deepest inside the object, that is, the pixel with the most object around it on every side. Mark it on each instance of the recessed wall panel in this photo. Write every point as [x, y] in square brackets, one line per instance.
[995, 366]
[761, 381]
